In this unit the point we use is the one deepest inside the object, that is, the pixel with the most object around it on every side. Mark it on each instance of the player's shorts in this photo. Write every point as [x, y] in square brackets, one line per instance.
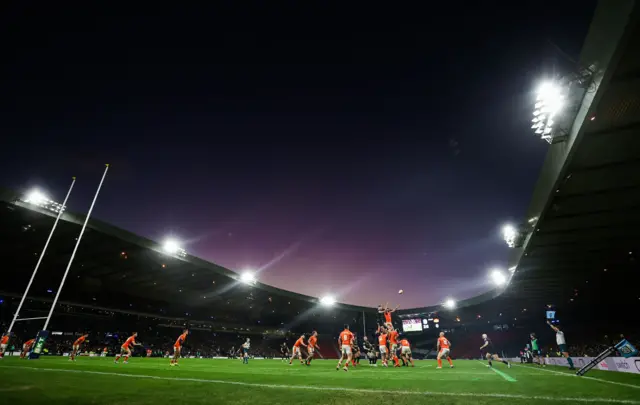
[124, 349]
[3, 347]
[296, 351]
[406, 350]
[383, 349]
[394, 348]
[310, 350]
[346, 349]
[176, 349]
[563, 348]
[444, 352]
[25, 347]
[76, 347]
[536, 352]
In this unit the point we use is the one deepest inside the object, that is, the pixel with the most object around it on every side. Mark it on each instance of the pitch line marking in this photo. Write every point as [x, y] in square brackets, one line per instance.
[583, 377]
[501, 374]
[336, 389]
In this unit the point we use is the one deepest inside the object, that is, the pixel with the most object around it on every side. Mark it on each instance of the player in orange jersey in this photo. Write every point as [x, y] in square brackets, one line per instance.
[387, 314]
[76, 346]
[393, 346]
[405, 352]
[382, 344]
[125, 349]
[444, 348]
[4, 342]
[312, 345]
[344, 342]
[297, 351]
[26, 347]
[177, 346]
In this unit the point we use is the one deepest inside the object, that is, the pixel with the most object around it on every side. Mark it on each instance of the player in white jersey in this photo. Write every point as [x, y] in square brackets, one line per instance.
[562, 344]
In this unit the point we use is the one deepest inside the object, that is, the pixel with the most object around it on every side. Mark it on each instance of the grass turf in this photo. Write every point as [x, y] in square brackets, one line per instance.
[55, 380]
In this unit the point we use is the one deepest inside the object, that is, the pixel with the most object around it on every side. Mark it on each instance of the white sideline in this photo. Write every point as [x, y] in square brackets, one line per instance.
[335, 389]
[582, 377]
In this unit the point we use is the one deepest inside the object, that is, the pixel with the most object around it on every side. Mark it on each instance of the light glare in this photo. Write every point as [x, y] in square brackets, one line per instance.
[498, 277]
[510, 233]
[450, 303]
[171, 246]
[327, 300]
[247, 277]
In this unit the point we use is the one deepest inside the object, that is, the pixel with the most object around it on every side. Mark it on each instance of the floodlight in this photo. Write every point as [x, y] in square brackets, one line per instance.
[509, 233]
[247, 277]
[498, 277]
[171, 246]
[39, 199]
[327, 300]
[36, 197]
[549, 102]
[450, 303]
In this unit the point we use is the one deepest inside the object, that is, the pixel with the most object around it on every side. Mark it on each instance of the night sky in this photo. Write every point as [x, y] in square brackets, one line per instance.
[337, 147]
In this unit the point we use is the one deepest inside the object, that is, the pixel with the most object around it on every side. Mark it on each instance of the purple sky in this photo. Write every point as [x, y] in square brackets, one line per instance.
[331, 151]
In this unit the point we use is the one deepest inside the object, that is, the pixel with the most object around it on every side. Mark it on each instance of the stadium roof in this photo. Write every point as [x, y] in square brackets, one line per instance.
[583, 224]
[116, 269]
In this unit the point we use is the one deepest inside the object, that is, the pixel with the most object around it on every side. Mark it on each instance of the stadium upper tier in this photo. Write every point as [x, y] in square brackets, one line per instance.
[582, 229]
[116, 269]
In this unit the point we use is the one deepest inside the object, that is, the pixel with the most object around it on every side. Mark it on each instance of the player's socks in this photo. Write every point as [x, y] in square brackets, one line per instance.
[126, 358]
[450, 362]
[440, 363]
[490, 365]
[570, 360]
[505, 362]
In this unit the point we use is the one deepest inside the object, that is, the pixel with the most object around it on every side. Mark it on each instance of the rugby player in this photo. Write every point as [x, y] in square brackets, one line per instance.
[444, 348]
[296, 350]
[26, 347]
[76, 346]
[177, 347]
[488, 351]
[382, 344]
[126, 347]
[393, 346]
[371, 351]
[4, 342]
[355, 351]
[344, 342]
[245, 351]
[406, 353]
[387, 314]
[562, 344]
[284, 350]
[312, 345]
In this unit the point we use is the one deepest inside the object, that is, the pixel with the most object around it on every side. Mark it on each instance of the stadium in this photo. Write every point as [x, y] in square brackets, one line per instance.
[574, 260]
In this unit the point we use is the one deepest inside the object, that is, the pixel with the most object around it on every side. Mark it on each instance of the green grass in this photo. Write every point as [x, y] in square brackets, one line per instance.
[55, 380]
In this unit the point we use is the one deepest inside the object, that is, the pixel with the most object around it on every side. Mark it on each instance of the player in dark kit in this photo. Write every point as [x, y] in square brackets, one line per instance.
[284, 350]
[488, 352]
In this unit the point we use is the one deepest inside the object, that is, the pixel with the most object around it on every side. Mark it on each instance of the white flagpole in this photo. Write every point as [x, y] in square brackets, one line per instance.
[44, 250]
[75, 249]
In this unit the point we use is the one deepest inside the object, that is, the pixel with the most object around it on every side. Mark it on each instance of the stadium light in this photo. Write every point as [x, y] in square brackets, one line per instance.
[549, 102]
[510, 233]
[172, 246]
[247, 277]
[40, 199]
[327, 301]
[450, 303]
[498, 277]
